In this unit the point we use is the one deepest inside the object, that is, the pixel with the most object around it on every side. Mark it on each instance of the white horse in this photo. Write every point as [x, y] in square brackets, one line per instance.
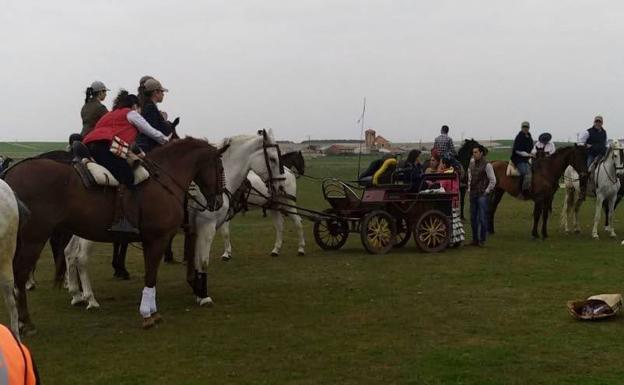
[245, 153]
[607, 184]
[258, 197]
[9, 228]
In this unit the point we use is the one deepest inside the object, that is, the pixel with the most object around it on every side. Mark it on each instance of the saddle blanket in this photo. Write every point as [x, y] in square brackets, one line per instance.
[512, 170]
[100, 176]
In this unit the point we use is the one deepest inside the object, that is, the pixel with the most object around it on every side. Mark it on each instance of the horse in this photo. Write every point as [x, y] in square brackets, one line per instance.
[57, 198]
[294, 161]
[244, 153]
[546, 175]
[13, 214]
[259, 196]
[607, 186]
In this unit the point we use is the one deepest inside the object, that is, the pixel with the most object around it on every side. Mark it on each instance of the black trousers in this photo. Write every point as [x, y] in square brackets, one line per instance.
[120, 169]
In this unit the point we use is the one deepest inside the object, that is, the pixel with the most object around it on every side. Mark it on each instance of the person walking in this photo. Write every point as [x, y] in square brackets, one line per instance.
[481, 182]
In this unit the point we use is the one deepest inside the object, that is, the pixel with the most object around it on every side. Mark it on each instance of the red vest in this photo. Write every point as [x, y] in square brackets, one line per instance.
[114, 123]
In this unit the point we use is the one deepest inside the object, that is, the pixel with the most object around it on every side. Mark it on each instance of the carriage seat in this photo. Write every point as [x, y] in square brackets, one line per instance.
[93, 173]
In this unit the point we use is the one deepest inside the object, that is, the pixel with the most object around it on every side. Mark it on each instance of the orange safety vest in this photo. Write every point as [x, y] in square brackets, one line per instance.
[16, 365]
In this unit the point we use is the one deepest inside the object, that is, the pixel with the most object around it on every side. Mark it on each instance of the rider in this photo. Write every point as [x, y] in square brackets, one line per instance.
[124, 123]
[93, 108]
[544, 147]
[154, 93]
[520, 155]
[595, 138]
[444, 144]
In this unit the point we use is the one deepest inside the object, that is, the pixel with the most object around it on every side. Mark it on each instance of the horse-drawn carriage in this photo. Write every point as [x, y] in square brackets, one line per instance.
[386, 216]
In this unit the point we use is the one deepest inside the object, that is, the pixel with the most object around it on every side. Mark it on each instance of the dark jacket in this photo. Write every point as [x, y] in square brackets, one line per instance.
[521, 143]
[598, 141]
[153, 116]
[91, 112]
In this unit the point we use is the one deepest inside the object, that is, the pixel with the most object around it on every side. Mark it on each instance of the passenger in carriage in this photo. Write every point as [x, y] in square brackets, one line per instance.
[411, 168]
[434, 163]
[122, 124]
[366, 177]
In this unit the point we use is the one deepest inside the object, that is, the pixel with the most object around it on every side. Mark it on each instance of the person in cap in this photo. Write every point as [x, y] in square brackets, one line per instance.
[595, 139]
[520, 155]
[544, 146]
[154, 93]
[122, 125]
[444, 144]
[17, 367]
[141, 89]
[93, 109]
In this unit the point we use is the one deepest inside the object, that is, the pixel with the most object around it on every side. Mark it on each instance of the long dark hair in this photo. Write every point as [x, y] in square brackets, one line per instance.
[141, 90]
[125, 100]
[89, 94]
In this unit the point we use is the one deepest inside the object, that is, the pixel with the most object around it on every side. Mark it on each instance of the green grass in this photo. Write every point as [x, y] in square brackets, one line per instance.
[467, 316]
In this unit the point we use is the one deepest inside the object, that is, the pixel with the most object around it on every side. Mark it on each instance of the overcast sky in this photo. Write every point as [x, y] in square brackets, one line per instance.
[302, 67]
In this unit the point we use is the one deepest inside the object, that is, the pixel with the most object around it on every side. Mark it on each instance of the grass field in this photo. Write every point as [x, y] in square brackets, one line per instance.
[466, 316]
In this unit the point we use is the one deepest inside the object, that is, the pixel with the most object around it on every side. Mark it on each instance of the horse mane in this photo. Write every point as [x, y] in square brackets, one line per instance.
[236, 139]
[178, 148]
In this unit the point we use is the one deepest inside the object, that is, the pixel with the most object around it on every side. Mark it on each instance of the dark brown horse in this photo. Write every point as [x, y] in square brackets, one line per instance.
[546, 175]
[294, 161]
[57, 198]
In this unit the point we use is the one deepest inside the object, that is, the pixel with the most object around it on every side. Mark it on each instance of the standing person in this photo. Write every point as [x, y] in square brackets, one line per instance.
[93, 108]
[444, 144]
[154, 93]
[520, 155]
[481, 181]
[16, 363]
[595, 138]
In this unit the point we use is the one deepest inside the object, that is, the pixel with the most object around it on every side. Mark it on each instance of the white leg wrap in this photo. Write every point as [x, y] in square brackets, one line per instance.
[149, 296]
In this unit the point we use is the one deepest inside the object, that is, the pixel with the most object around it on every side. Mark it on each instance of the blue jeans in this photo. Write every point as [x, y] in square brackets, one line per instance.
[590, 159]
[478, 217]
[524, 169]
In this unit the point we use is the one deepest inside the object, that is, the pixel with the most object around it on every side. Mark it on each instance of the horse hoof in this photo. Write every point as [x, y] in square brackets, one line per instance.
[156, 317]
[226, 258]
[148, 323]
[577, 231]
[93, 304]
[122, 275]
[204, 301]
[301, 253]
[595, 237]
[27, 330]
[31, 286]
[78, 300]
[274, 254]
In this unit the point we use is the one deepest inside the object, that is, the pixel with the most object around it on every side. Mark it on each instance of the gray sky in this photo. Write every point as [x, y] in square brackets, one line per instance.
[302, 67]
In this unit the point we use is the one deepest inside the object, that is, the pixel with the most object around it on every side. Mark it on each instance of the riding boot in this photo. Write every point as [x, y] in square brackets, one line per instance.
[120, 222]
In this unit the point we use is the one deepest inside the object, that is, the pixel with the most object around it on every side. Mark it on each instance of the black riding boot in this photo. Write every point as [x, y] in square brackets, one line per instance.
[120, 222]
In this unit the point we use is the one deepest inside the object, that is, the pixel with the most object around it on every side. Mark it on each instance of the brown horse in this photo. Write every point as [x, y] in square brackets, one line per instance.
[57, 198]
[546, 175]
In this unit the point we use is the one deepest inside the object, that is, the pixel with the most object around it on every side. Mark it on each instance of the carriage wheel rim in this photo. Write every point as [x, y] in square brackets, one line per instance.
[432, 232]
[378, 232]
[327, 236]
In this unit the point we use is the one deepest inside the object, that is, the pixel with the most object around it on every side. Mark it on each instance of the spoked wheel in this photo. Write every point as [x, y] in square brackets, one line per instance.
[378, 232]
[432, 232]
[331, 233]
[403, 233]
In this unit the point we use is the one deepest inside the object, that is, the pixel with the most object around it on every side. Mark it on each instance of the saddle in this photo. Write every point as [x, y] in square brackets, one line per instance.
[92, 174]
[512, 170]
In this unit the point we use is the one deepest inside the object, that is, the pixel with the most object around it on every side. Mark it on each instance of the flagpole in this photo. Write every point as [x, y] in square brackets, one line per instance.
[361, 120]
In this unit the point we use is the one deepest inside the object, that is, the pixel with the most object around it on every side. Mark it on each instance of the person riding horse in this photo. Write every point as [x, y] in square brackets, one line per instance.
[544, 147]
[93, 109]
[153, 93]
[595, 139]
[122, 125]
[520, 155]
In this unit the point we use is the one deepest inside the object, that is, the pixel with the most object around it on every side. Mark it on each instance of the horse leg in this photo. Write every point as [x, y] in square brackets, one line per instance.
[153, 251]
[8, 245]
[610, 227]
[298, 224]
[565, 210]
[278, 223]
[169, 251]
[575, 213]
[537, 211]
[599, 200]
[58, 241]
[22, 266]
[497, 195]
[82, 259]
[227, 243]
[545, 211]
[205, 235]
[120, 249]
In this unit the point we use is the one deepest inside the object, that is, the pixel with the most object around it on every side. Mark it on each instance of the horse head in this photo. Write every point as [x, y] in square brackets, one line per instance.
[273, 171]
[465, 151]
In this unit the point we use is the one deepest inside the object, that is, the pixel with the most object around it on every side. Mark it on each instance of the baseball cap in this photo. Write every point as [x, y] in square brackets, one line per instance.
[98, 86]
[154, 85]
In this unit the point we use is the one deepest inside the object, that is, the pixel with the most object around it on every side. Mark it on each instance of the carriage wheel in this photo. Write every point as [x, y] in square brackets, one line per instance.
[331, 233]
[432, 232]
[403, 233]
[378, 232]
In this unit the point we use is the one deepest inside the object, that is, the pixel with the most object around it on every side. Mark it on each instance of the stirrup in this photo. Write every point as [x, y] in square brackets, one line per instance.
[123, 226]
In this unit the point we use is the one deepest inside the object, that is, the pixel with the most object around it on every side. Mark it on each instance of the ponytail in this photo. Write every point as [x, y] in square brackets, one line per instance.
[124, 100]
[89, 94]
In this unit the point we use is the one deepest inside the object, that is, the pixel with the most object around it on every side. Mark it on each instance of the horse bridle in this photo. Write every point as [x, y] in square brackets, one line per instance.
[265, 147]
